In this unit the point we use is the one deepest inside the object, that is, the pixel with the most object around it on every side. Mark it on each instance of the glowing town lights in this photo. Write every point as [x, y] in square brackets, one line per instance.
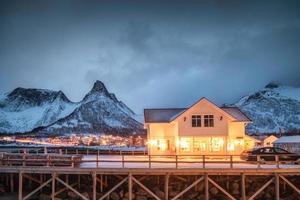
[152, 142]
[230, 146]
[239, 142]
[182, 144]
[162, 146]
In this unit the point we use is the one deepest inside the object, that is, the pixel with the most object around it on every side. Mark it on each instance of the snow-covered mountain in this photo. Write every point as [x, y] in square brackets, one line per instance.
[274, 109]
[22, 110]
[25, 110]
[99, 112]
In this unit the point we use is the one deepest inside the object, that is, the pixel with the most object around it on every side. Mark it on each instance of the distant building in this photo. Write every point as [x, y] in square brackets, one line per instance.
[266, 141]
[290, 143]
[202, 129]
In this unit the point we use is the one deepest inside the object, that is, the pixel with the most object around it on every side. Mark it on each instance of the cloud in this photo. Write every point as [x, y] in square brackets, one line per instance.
[150, 53]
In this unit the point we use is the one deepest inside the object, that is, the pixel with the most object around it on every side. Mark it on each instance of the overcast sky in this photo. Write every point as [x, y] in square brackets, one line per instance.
[150, 53]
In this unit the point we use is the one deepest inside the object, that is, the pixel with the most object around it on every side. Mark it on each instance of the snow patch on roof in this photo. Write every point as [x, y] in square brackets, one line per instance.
[288, 139]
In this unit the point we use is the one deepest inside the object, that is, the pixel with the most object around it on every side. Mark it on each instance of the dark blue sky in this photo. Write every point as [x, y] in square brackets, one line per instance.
[150, 53]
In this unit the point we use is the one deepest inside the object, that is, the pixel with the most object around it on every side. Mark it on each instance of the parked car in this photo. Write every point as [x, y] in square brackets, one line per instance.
[269, 154]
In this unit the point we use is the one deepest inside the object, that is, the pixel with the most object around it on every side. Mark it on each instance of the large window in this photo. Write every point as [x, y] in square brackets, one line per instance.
[208, 121]
[196, 121]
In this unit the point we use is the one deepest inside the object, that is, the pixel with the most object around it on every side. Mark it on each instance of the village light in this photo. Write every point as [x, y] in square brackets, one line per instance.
[152, 142]
[182, 144]
[230, 146]
[162, 146]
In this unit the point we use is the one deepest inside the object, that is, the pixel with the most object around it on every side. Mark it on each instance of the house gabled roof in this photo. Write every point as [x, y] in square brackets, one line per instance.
[237, 114]
[166, 115]
[161, 115]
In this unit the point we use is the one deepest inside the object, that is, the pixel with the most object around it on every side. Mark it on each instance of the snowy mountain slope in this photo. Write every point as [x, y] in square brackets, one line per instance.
[25, 110]
[99, 112]
[22, 110]
[273, 109]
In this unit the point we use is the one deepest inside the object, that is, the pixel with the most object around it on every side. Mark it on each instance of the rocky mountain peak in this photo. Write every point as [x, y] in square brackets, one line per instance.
[99, 87]
[273, 85]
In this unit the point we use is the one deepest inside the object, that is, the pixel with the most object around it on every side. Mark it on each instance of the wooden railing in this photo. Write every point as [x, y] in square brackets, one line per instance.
[148, 161]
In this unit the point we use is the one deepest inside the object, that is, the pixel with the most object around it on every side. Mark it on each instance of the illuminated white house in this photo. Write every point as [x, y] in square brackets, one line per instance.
[202, 129]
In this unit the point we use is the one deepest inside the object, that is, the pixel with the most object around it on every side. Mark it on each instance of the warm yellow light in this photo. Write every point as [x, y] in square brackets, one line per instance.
[162, 146]
[184, 144]
[239, 142]
[230, 146]
[152, 142]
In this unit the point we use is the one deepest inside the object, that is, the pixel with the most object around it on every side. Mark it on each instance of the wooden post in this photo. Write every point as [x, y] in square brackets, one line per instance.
[20, 195]
[231, 163]
[11, 176]
[258, 161]
[53, 186]
[76, 151]
[123, 161]
[149, 160]
[24, 162]
[277, 190]
[176, 161]
[101, 183]
[167, 186]
[129, 186]
[94, 175]
[41, 180]
[206, 186]
[243, 188]
[72, 162]
[277, 161]
[48, 160]
[203, 161]
[78, 181]
[97, 159]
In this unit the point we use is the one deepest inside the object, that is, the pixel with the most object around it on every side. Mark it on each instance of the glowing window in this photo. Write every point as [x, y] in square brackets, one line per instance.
[186, 144]
[217, 144]
[199, 145]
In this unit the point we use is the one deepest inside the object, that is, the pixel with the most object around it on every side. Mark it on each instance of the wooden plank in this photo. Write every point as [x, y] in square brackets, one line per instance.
[243, 186]
[64, 189]
[221, 189]
[71, 188]
[37, 189]
[20, 194]
[32, 178]
[53, 186]
[261, 189]
[94, 175]
[113, 189]
[277, 189]
[100, 180]
[188, 188]
[130, 186]
[167, 177]
[290, 184]
[206, 186]
[145, 188]
[153, 171]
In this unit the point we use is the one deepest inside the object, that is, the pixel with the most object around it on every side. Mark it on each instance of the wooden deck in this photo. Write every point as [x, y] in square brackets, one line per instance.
[277, 176]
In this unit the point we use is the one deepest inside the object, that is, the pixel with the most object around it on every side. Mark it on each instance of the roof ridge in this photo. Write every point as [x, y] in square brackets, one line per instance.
[164, 108]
